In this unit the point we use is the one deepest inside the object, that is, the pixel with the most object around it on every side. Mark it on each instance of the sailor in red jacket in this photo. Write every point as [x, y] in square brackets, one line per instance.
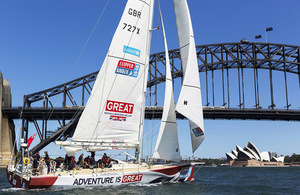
[105, 161]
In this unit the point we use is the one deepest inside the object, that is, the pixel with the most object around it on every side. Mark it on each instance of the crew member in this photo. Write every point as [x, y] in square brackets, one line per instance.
[80, 160]
[86, 162]
[93, 154]
[105, 161]
[92, 162]
[72, 163]
[36, 159]
[66, 161]
[47, 161]
[58, 162]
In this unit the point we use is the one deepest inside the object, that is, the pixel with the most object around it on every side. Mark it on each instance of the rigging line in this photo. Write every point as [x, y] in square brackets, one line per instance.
[82, 50]
[152, 129]
[153, 135]
[139, 149]
[89, 38]
[15, 141]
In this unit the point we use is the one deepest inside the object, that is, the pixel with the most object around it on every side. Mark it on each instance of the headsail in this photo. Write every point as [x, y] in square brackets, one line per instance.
[189, 103]
[112, 116]
[167, 146]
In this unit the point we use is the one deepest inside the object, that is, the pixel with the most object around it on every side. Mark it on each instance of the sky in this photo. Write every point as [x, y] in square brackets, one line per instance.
[43, 44]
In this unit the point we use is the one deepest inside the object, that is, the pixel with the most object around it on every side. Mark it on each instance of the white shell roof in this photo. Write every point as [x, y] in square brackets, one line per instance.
[243, 152]
[238, 148]
[252, 152]
[230, 156]
[254, 148]
[234, 152]
[265, 156]
[278, 159]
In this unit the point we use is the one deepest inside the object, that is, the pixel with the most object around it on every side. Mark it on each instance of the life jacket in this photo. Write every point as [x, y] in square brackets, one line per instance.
[104, 159]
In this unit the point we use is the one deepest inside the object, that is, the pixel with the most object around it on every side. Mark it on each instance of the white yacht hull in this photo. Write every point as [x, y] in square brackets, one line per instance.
[177, 173]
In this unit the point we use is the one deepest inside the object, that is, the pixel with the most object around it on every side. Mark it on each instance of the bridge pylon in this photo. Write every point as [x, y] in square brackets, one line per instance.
[7, 127]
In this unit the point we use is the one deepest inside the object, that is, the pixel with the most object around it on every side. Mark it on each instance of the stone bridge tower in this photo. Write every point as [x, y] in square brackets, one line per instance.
[7, 127]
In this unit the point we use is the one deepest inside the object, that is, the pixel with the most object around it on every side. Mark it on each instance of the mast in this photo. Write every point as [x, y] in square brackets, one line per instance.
[141, 132]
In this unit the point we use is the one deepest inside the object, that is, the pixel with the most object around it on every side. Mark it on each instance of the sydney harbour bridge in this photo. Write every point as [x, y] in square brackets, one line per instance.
[243, 80]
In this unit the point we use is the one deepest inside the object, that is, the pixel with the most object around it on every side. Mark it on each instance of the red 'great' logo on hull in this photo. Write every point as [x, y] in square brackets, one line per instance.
[132, 178]
[121, 107]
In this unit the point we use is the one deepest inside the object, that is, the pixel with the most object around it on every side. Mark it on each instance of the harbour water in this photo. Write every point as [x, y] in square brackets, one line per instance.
[208, 180]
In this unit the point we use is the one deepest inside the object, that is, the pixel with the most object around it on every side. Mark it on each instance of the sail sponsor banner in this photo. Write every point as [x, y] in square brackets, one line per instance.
[96, 181]
[132, 51]
[132, 178]
[108, 180]
[127, 68]
[120, 107]
[118, 111]
[198, 131]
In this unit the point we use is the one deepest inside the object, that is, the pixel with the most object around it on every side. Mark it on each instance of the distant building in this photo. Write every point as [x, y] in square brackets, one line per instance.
[250, 156]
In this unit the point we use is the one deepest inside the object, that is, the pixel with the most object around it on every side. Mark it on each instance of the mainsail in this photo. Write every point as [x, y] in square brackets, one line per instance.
[167, 146]
[189, 103]
[113, 114]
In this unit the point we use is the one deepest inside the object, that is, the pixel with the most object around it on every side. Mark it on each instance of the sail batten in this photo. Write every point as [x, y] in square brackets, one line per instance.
[189, 103]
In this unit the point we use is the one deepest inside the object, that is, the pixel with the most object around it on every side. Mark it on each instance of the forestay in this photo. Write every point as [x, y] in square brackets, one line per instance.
[112, 116]
[189, 103]
[167, 146]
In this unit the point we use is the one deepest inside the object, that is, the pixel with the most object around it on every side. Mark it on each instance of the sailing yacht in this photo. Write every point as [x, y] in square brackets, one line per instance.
[113, 118]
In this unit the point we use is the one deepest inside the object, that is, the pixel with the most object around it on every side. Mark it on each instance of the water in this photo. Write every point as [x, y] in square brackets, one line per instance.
[208, 180]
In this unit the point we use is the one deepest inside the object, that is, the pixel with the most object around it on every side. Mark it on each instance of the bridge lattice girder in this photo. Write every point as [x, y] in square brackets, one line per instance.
[231, 55]
[211, 57]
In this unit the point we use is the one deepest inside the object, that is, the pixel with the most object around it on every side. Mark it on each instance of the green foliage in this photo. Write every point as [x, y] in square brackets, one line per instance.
[211, 161]
[295, 158]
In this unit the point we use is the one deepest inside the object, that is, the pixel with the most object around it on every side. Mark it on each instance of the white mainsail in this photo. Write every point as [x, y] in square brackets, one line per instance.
[112, 116]
[190, 102]
[167, 146]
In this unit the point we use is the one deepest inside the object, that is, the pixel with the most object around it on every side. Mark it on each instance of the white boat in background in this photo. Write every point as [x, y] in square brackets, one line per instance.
[114, 114]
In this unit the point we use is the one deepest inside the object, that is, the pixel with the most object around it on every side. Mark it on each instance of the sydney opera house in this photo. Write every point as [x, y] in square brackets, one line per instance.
[251, 157]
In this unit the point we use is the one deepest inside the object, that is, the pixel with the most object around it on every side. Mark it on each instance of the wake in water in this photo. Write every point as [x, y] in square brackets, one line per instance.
[11, 190]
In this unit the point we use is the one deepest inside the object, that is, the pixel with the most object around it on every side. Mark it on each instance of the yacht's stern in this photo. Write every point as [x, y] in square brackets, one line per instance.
[16, 180]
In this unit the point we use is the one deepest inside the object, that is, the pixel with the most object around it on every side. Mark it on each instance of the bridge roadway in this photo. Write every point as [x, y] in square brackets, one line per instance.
[39, 113]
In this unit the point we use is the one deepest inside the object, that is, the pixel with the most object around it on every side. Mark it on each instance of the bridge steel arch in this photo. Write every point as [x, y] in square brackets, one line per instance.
[212, 57]
[221, 56]
[241, 55]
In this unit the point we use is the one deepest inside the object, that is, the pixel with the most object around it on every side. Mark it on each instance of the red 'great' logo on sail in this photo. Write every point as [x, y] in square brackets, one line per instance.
[121, 107]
